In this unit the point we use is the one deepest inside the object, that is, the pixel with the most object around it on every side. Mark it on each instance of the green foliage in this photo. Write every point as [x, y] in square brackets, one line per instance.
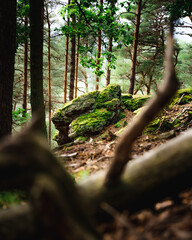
[22, 30]
[8, 198]
[19, 116]
[90, 19]
[179, 8]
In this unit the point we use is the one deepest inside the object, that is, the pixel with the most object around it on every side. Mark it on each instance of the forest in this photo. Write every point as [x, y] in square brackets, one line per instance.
[95, 106]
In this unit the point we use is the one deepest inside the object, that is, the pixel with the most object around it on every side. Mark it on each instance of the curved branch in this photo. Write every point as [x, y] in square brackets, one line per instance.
[122, 152]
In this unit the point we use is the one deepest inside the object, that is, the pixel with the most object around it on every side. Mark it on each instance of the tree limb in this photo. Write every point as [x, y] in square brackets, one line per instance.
[135, 129]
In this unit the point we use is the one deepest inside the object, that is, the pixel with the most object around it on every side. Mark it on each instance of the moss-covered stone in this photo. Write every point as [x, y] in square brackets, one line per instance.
[135, 103]
[125, 97]
[107, 94]
[112, 105]
[77, 106]
[90, 123]
[182, 96]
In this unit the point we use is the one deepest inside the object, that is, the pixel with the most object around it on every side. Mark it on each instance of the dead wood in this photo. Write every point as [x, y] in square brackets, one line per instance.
[162, 172]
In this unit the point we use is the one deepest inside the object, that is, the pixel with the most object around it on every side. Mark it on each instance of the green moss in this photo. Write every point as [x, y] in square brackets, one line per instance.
[90, 123]
[159, 124]
[121, 115]
[182, 96]
[107, 94]
[111, 105]
[74, 107]
[135, 103]
[118, 124]
[125, 97]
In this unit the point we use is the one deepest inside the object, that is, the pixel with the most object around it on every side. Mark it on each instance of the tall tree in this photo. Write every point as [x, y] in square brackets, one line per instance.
[77, 65]
[99, 42]
[7, 60]
[36, 56]
[135, 44]
[25, 65]
[66, 61]
[110, 46]
[49, 71]
[73, 53]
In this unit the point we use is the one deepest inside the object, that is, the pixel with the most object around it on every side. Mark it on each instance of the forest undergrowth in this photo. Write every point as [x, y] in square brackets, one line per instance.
[170, 219]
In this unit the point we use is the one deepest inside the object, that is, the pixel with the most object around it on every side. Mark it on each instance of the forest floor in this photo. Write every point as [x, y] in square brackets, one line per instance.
[169, 220]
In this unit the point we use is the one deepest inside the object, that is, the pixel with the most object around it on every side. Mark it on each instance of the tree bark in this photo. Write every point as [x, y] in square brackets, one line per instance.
[49, 75]
[66, 62]
[135, 44]
[72, 73]
[7, 60]
[25, 72]
[110, 49]
[77, 66]
[36, 57]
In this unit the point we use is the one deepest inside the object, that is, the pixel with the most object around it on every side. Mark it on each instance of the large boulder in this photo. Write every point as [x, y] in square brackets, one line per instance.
[87, 114]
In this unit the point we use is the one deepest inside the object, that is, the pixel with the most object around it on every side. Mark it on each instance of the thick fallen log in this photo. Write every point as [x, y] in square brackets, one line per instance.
[162, 172]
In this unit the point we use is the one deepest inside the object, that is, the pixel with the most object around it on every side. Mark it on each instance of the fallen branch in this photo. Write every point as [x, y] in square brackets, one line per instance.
[162, 172]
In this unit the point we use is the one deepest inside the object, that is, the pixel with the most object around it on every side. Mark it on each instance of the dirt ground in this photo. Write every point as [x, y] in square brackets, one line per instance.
[168, 220]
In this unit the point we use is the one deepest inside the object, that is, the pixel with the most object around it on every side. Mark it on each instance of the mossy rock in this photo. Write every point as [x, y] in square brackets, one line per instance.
[162, 125]
[125, 97]
[112, 105]
[90, 123]
[135, 103]
[182, 96]
[107, 94]
[74, 107]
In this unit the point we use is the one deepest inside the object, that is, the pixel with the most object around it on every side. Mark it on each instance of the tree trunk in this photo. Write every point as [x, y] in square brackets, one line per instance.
[72, 73]
[135, 44]
[77, 66]
[49, 75]
[98, 61]
[110, 49]
[25, 73]
[7, 60]
[36, 57]
[66, 62]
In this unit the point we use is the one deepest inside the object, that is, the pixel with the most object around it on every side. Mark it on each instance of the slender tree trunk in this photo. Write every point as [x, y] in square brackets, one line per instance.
[135, 44]
[99, 39]
[110, 49]
[7, 60]
[49, 75]
[72, 73]
[77, 66]
[36, 54]
[25, 74]
[66, 62]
